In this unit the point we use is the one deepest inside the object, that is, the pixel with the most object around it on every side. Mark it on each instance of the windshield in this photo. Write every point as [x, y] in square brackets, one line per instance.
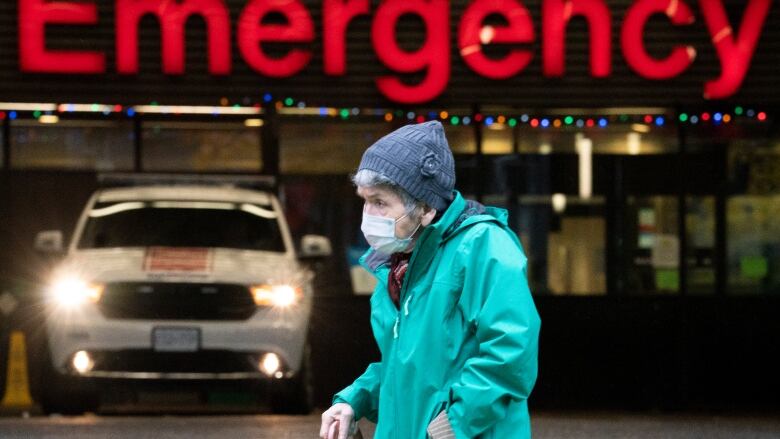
[182, 224]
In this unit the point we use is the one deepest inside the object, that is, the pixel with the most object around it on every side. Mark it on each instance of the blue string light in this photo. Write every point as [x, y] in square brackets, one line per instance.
[267, 97]
[602, 122]
[12, 115]
[659, 121]
[524, 118]
[545, 122]
[488, 121]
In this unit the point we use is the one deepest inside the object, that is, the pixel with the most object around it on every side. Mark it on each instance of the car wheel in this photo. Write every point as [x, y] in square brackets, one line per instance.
[68, 395]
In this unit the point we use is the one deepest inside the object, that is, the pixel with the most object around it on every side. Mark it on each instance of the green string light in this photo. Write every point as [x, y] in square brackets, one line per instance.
[288, 102]
[738, 111]
[683, 117]
[568, 120]
[512, 122]
[623, 117]
[344, 113]
[455, 120]
[36, 114]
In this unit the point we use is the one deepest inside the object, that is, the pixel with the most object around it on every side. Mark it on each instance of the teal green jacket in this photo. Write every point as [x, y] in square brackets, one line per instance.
[465, 338]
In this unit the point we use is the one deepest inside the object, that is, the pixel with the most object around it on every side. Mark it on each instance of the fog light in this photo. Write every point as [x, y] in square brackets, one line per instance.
[269, 364]
[82, 362]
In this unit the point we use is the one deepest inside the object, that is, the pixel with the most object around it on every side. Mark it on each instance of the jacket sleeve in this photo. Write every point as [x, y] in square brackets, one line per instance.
[497, 304]
[363, 394]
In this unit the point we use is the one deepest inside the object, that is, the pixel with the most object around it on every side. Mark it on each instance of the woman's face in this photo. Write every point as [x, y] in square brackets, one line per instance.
[383, 202]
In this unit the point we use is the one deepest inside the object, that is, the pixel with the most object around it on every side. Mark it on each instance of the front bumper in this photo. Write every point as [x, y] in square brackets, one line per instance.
[228, 350]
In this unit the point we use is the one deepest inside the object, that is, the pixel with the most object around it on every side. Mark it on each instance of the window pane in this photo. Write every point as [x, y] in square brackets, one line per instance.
[654, 245]
[461, 139]
[201, 146]
[102, 145]
[752, 211]
[322, 146]
[700, 225]
[563, 234]
[754, 244]
[497, 139]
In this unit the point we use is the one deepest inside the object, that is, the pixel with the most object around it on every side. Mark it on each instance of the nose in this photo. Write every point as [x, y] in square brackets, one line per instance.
[371, 210]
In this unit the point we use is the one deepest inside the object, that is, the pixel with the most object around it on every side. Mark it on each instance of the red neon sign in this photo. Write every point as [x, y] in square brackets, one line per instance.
[733, 46]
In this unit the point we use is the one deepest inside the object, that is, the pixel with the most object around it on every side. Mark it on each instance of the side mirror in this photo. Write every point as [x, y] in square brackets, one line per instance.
[315, 246]
[49, 242]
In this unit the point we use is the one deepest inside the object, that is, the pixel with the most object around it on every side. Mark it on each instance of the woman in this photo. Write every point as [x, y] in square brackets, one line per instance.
[452, 313]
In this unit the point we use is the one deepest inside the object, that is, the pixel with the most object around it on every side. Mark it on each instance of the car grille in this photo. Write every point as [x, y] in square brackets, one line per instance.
[206, 361]
[176, 301]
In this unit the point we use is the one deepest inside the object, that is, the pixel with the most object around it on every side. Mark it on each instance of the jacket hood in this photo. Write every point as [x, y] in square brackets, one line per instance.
[459, 216]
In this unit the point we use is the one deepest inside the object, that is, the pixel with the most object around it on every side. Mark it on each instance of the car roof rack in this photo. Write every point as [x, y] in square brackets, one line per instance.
[127, 179]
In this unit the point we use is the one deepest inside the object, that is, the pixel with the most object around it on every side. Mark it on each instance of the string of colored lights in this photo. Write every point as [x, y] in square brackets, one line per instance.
[289, 106]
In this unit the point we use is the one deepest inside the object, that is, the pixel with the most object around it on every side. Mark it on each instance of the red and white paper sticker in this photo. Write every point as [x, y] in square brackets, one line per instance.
[179, 260]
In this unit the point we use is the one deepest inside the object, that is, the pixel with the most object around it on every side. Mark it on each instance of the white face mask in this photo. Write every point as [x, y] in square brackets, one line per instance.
[380, 234]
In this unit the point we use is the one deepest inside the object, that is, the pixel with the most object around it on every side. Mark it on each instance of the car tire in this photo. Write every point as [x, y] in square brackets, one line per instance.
[68, 395]
[294, 396]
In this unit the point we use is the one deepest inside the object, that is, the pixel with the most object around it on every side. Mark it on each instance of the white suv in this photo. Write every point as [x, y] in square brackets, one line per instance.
[179, 278]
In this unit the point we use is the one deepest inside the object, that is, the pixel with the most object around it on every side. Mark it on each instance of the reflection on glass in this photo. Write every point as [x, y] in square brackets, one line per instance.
[72, 144]
[322, 146]
[461, 139]
[201, 146]
[754, 244]
[654, 245]
[752, 212]
[700, 252]
[564, 239]
[576, 255]
[497, 139]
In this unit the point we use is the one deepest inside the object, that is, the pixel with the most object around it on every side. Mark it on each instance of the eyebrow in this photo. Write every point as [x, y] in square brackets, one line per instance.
[370, 195]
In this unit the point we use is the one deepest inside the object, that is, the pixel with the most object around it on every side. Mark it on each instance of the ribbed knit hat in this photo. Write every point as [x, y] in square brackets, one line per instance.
[418, 159]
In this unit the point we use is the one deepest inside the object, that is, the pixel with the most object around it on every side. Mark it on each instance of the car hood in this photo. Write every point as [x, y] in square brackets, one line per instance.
[170, 264]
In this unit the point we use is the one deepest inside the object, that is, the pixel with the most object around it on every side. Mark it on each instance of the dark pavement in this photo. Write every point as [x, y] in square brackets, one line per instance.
[545, 425]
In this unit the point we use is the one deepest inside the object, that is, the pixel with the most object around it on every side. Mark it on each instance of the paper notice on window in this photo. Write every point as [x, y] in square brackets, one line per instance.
[666, 251]
[177, 260]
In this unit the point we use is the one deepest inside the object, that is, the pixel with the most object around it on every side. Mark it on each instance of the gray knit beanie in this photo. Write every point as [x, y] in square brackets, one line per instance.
[417, 158]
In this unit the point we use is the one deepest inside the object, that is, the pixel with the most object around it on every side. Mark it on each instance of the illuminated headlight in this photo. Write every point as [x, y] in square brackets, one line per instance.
[275, 295]
[82, 362]
[73, 292]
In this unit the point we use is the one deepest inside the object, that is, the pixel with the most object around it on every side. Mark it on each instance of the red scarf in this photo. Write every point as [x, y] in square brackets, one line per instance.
[399, 262]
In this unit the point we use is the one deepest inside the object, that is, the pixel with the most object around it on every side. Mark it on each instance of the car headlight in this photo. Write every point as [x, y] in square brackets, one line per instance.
[74, 292]
[275, 295]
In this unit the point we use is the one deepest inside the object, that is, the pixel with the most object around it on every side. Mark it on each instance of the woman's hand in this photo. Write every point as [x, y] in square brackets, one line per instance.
[342, 414]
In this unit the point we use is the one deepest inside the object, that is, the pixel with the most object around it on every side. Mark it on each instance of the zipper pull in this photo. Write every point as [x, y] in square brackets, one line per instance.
[395, 327]
[406, 305]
